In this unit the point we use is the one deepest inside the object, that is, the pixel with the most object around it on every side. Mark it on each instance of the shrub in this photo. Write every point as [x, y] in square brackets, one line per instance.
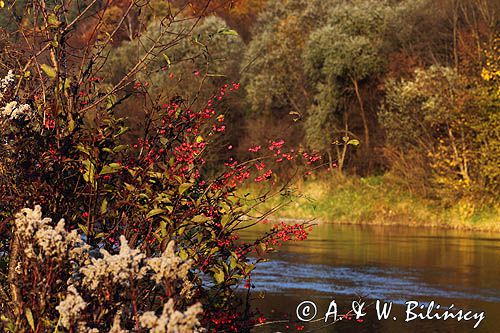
[63, 147]
[450, 122]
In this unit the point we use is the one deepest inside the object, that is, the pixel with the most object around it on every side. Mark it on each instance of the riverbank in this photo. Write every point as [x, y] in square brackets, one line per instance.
[375, 201]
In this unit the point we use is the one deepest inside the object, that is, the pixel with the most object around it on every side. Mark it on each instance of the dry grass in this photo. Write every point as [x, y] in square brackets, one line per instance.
[378, 200]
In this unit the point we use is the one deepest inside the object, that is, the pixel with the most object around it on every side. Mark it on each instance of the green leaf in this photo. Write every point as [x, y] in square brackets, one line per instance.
[214, 250]
[122, 130]
[163, 198]
[184, 187]
[104, 206]
[180, 231]
[29, 316]
[183, 254]
[115, 165]
[154, 212]
[120, 148]
[263, 247]
[110, 168]
[249, 268]
[89, 175]
[156, 175]
[227, 31]
[225, 220]
[83, 149]
[163, 228]
[50, 71]
[233, 262]
[83, 228]
[200, 219]
[71, 125]
[53, 21]
[218, 275]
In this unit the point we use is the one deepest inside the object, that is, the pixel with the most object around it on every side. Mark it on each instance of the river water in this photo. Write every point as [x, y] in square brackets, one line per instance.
[346, 263]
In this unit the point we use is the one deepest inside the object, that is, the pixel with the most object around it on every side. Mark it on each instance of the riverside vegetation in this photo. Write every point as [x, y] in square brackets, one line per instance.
[127, 122]
[401, 98]
[377, 200]
[148, 231]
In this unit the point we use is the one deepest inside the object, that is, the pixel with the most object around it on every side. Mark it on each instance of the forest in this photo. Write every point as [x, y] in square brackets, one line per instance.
[401, 93]
[155, 131]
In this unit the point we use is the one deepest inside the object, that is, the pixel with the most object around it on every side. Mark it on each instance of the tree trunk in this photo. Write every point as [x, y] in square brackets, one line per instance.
[461, 161]
[363, 114]
[455, 27]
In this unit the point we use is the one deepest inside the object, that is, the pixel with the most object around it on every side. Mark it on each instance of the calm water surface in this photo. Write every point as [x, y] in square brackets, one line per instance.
[393, 264]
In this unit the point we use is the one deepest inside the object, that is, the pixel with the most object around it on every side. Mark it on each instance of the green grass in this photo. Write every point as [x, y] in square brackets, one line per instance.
[376, 200]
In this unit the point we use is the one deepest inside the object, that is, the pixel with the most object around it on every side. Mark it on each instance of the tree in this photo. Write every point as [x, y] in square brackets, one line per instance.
[340, 62]
[195, 66]
[272, 69]
[332, 77]
[345, 58]
[240, 14]
[449, 120]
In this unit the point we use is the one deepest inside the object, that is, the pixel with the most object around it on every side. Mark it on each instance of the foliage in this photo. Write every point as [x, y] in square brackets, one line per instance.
[273, 75]
[239, 14]
[191, 70]
[491, 70]
[331, 78]
[115, 116]
[442, 117]
[64, 147]
[338, 62]
[201, 61]
[488, 137]
[276, 86]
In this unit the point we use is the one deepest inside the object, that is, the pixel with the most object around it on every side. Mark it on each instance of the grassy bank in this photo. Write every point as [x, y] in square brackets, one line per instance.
[375, 200]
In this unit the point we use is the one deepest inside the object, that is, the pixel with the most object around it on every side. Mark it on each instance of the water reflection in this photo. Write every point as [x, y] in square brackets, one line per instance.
[390, 263]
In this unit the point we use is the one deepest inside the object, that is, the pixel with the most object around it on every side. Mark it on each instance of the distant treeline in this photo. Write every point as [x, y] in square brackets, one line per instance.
[414, 82]
[409, 86]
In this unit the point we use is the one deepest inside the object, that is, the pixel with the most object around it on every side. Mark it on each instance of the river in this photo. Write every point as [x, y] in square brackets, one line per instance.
[346, 263]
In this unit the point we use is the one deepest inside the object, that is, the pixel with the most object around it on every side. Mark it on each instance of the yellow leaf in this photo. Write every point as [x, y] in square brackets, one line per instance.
[50, 71]
[155, 212]
[29, 317]
[183, 187]
[219, 275]
[53, 21]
